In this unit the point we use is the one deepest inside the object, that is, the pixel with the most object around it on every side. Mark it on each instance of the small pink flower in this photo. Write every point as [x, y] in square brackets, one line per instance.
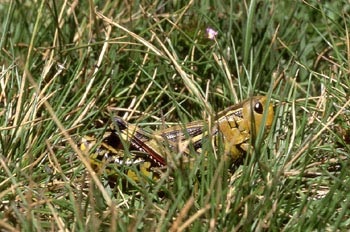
[211, 33]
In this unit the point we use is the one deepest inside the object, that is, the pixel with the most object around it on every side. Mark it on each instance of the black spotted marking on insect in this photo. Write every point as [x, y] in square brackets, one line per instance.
[106, 153]
[114, 141]
[119, 161]
[197, 144]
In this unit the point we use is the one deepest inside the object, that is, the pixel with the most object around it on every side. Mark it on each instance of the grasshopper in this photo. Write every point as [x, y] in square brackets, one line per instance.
[128, 144]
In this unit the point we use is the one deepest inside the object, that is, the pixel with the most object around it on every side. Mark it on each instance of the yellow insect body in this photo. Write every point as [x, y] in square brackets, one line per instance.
[236, 126]
[236, 123]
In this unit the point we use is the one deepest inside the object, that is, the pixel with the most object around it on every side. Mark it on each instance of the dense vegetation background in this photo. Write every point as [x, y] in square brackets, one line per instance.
[67, 64]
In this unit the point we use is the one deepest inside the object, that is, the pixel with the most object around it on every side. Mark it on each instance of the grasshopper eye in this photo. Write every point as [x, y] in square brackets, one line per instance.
[258, 108]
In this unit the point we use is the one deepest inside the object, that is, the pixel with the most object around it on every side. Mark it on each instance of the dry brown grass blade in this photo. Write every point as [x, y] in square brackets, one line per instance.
[132, 34]
[316, 136]
[82, 157]
[98, 65]
[182, 214]
[192, 88]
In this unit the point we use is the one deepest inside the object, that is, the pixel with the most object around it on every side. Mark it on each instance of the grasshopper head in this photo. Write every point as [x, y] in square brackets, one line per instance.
[254, 110]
